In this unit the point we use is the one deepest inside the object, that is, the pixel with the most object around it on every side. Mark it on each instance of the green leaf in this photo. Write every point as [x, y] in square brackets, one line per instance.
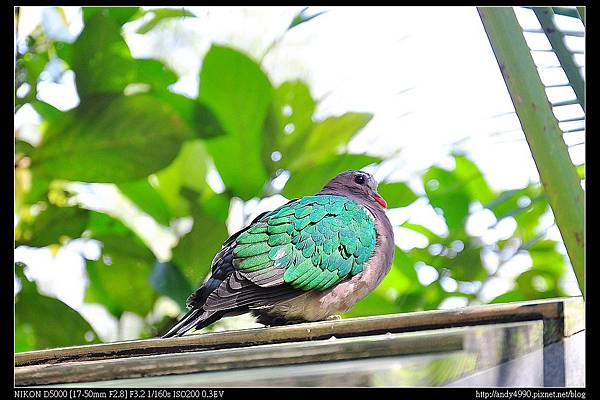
[38, 190]
[528, 219]
[118, 14]
[120, 279]
[52, 226]
[432, 237]
[43, 322]
[103, 225]
[509, 297]
[446, 191]
[24, 336]
[168, 280]
[326, 138]
[101, 59]
[189, 169]
[405, 264]
[303, 17]
[581, 171]
[64, 51]
[198, 117]
[214, 204]
[238, 92]
[473, 180]
[32, 64]
[195, 251]
[537, 284]
[147, 198]
[292, 110]
[49, 114]
[159, 15]
[467, 265]
[23, 148]
[525, 205]
[154, 73]
[111, 140]
[397, 194]
[546, 257]
[310, 180]
[296, 106]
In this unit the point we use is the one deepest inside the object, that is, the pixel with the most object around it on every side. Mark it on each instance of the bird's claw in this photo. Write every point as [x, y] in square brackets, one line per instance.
[334, 317]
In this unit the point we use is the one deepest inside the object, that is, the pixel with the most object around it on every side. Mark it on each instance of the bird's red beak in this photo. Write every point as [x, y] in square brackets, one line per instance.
[380, 200]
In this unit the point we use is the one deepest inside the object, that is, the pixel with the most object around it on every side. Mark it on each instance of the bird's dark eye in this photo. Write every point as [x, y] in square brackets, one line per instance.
[360, 179]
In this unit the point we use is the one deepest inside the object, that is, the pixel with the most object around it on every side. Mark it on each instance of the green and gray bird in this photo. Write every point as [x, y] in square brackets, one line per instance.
[308, 260]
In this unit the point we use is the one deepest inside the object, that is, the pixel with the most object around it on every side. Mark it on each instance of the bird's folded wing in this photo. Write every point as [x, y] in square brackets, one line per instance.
[310, 244]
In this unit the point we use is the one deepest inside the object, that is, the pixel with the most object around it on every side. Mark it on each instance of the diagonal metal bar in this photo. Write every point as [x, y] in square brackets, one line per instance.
[546, 17]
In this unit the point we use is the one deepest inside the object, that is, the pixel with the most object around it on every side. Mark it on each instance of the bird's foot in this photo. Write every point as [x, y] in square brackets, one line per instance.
[333, 318]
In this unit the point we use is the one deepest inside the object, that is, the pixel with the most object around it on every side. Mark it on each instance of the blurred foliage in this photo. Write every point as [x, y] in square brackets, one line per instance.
[158, 147]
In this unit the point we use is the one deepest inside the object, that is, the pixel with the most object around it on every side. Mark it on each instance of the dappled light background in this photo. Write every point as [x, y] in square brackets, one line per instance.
[412, 95]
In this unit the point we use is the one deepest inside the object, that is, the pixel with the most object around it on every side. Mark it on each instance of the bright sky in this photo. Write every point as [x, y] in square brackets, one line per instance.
[427, 73]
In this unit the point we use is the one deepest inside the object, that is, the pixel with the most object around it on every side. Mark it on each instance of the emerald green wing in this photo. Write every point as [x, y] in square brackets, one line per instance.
[312, 243]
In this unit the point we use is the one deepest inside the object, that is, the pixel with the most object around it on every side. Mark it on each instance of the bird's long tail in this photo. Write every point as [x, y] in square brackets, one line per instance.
[195, 318]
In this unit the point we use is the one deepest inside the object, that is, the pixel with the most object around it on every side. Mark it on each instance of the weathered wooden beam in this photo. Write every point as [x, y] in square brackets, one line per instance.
[473, 315]
[248, 357]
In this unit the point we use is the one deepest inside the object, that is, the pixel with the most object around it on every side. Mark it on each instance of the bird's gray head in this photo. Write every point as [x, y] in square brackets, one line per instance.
[355, 184]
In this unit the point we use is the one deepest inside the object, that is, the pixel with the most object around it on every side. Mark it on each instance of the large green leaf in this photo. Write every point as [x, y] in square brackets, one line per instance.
[432, 237]
[111, 140]
[538, 284]
[525, 205]
[528, 220]
[119, 14]
[161, 14]
[23, 148]
[467, 265]
[546, 257]
[120, 278]
[43, 322]
[474, 182]
[509, 297]
[326, 138]
[154, 73]
[189, 170]
[289, 121]
[104, 225]
[194, 253]
[147, 198]
[51, 226]
[101, 59]
[64, 51]
[309, 181]
[396, 194]
[38, 190]
[446, 191]
[199, 118]
[49, 113]
[238, 92]
[168, 280]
